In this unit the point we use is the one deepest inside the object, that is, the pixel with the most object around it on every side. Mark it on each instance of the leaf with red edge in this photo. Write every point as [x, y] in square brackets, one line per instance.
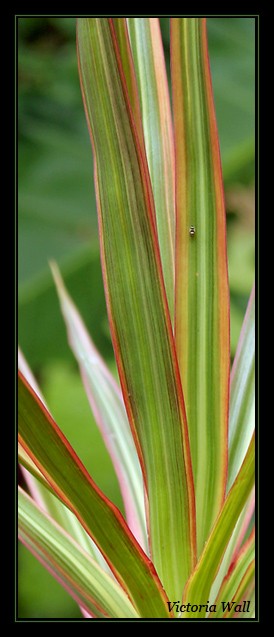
[107, 405]
[47, 446]
[93, 589]
[201, 277]
[234, 544]
[232, 586]
[198, 587]
[137, 305]
[242, 393]
[149, 63]
[41, 490]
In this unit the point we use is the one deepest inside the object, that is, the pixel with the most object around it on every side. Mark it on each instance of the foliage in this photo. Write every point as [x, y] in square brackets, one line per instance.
[186, 484]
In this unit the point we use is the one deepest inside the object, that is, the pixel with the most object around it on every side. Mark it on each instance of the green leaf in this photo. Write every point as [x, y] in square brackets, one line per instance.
[137, 305]
[65, 393]
[201, 292]
[107, 405]
[246, 581]
[90, 586]
[251, 597]
[198, 587]
[234, 545]
[42, 492]
[248, 518]
[242, 393]
[149, 62]
[51, 452]
[121, 30]
[231, 588]
[28, 464]
[45, 496]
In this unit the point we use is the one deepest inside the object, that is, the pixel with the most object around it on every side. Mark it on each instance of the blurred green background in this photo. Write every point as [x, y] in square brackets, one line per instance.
[57, 219]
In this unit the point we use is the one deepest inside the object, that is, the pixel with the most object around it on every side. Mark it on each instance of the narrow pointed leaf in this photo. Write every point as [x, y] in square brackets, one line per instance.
[47, 498]
[234, 577]
[41, 490]
[137, 305]
[53, 455]
[32, 476]
[27, 463]
[249, 595]
[26, 371]
[242, 393]
[234, 545]
[149, 62]
[88, 584]
[121, 30]
[108, 408]
[198, 587]
[201, 281]
[249, 514]
[246, 580]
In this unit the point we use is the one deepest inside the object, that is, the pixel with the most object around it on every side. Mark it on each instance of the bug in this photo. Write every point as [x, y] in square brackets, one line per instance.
[192, 231]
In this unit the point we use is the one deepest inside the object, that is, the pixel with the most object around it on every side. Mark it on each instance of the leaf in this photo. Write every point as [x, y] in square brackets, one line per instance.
[249, 595]
[244, 584]
[51, 452]
[234, 545]
[88, 584]
[242, 393]
[42, 492]
[248, 515]
[45, 496]
[121, 30]
[199, 584]
[65, 392]
[137, 305]
[201, 281]
[231, 589]
[107, 405]
[149, 62]
[28, 464]
[26, 371]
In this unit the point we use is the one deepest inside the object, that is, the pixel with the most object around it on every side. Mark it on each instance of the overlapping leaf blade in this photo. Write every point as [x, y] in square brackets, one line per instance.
[149, 63]
[241, 591]
[198, 587]
[233, 581]
[137, 305]
[241, 426]
[201, 281]
[234, 545]
[51, 452]
[41, 490]
[90, 586]
[242, 393]
[108, 408]
[249, 595]
[121, 30]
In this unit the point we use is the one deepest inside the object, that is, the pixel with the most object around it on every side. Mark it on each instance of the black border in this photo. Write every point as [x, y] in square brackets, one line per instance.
[12, 611]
